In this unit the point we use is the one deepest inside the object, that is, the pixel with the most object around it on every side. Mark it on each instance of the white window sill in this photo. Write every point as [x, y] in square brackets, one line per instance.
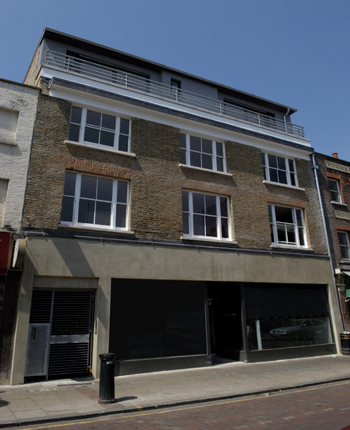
[299, 248]
[334, 202]
[100, 148]
[283, 185]
[204, 170]
[96, 228]
[212, 239]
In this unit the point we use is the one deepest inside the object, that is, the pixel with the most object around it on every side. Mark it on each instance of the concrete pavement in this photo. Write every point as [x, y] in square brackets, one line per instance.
[69, 399]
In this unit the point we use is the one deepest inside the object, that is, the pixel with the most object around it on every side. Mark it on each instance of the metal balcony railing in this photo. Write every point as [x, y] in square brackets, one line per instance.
[146, 86]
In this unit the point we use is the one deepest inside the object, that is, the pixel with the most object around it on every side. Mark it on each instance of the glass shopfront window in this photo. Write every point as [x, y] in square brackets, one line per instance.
[152, 319]
[283, 316]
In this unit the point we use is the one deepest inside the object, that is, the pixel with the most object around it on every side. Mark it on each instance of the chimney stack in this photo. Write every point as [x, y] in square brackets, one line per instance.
[335, 155]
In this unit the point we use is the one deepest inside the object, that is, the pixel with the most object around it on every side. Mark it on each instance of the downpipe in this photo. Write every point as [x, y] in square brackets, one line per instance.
[315, 168]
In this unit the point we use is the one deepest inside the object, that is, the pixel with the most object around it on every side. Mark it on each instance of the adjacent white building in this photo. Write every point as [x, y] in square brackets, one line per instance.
[18, 108]
[18, 105]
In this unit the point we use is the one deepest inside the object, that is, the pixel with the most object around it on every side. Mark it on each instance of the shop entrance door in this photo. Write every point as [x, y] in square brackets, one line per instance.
[60, 333]
[225, 319]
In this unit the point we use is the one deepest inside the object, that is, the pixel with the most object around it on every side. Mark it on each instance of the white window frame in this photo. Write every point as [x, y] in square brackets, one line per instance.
[190, 217]
[186, 153]
[344, 246]
[274, 224]
[83, 124]
[114, 204]
[337, 191]
[291, 176]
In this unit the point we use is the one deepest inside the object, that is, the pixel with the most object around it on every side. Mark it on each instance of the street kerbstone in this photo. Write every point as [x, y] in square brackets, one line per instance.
[27, 414]
[68, 399]
[6, 414]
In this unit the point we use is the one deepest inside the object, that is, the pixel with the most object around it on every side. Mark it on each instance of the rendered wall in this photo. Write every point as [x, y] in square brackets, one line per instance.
[60, 263]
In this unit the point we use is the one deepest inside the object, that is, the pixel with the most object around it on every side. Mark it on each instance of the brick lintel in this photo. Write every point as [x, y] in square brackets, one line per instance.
[97, 168]
[205, 187]
[285, 200]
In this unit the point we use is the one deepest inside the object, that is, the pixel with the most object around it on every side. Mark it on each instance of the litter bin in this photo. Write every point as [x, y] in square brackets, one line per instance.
[345, 343]
[106, 392]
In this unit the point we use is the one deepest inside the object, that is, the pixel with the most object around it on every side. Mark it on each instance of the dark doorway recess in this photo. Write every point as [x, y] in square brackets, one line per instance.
[225, 319]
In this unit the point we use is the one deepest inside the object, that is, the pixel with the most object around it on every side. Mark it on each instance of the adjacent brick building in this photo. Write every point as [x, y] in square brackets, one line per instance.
[168, 219]
[334, 180]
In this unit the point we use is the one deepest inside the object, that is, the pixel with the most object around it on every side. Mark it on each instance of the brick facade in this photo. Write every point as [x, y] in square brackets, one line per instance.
[42, 207]
[33, 69]
[305, 198]
[157, 180]
[194, 274]
[249, 210]
[333, 223]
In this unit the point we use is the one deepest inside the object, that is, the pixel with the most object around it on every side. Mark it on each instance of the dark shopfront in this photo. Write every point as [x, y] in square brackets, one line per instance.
[160, 325]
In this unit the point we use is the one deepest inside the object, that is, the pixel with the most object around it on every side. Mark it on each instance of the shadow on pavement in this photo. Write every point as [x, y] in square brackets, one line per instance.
[3, 403]
[123, 399]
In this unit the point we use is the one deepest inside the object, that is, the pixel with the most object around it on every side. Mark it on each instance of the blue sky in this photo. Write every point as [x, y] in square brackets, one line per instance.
[292, 52]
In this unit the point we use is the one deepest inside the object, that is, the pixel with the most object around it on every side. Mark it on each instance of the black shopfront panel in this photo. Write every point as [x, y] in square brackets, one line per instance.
[157, 319]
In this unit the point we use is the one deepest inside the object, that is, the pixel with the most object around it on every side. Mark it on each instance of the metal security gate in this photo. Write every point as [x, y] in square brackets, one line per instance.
[60, 333]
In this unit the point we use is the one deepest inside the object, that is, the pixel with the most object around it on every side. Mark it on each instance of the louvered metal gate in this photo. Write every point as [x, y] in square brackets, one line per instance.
[60, 333]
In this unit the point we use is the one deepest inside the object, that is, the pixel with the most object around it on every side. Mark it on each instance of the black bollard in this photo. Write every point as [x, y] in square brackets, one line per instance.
[345, 343]
[106, 394]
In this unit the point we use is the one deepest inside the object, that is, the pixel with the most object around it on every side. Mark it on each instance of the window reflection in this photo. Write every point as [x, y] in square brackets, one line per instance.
[283, 316]
[269, 333]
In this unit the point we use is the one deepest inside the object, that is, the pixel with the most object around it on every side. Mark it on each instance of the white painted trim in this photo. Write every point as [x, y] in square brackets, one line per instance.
[88, 227]
[214, 157]
[283, 185]
[337, 203]
[218, 217]
[184, 124]
[294, 224]
[101, 148]
[203, 239]
[95, 83]
[289, 173]
[78, 176]
[205, 170]
[116, 133]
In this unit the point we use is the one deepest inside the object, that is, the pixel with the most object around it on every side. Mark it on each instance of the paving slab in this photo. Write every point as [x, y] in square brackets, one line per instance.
[69, 399]
[28, 414]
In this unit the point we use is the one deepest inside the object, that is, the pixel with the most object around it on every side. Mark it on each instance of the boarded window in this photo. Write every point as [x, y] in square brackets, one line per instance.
[8, 125]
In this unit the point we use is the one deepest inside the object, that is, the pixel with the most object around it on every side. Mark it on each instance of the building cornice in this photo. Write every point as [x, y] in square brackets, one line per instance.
[177, 113]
